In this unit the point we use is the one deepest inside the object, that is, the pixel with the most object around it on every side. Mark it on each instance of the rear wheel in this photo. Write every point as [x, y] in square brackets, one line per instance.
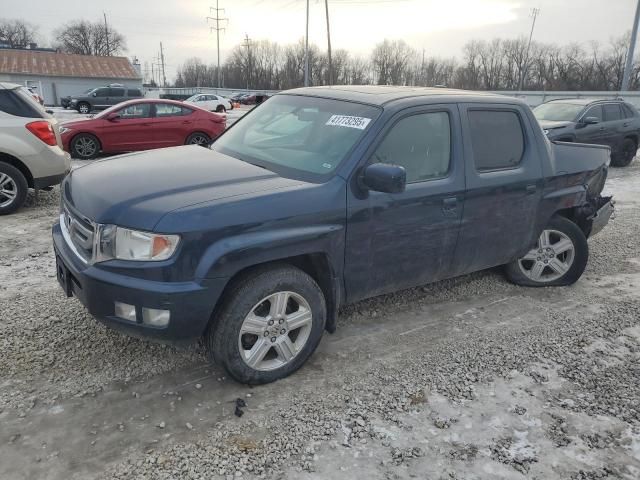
[221, 109]
[270, 324]
[627, 153]
[198, 138]
[559, 257]
[85, 146]
[13, 189]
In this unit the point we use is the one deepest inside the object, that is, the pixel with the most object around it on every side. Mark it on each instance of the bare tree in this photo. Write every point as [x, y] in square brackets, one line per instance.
[90, 38]
[17, 33]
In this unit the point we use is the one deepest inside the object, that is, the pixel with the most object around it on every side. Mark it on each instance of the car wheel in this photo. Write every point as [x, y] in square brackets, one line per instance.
[198, 138]
[13, 188]
[221, 109]
[270, 324]
[85, 146]
[559, 257]
[84, 108]
[626, 155]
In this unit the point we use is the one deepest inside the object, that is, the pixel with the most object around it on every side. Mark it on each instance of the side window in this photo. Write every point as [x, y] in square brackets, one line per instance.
[116, 92]
[134, 93]
[496, 138]
[421, 144]
[137, 110]
[186, 111]
[628, 112]
[102, 92]
[168, 110]
[595, 111]
[611, 112]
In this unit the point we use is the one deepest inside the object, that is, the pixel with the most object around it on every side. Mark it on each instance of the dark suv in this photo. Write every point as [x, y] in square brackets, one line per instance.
[614, 123]
[104, 97]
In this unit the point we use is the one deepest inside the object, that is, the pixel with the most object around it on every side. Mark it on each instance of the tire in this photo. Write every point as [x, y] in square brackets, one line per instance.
[258, 293]
[626, 155]
[84, 146]
[13, 189]
[557, 267]
[221, 109]
[198, 138]
[84, 108]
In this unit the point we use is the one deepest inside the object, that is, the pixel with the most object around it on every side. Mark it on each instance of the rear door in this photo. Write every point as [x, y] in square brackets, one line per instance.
[133, 130]
[172, 124]
[405, 239]
[116, 95]
[101, 97]
[615, 120]
[504, 186]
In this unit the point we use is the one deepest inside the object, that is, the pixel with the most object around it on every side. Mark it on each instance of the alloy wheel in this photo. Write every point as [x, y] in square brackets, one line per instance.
[85, 147]
[551, 259]
[199, 140]
[84, 109]
[8, 190]
[275, 331]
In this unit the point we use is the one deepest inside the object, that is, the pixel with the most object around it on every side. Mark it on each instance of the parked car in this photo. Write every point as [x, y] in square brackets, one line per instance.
[31, 154]
[614, 123]
[207, 101]
[237, 97]
[254, 99]
[319, 198]
[141, 125]
[104, 97]
[65, 102]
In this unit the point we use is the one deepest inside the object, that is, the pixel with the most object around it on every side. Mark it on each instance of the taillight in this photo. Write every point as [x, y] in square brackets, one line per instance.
[44, 131]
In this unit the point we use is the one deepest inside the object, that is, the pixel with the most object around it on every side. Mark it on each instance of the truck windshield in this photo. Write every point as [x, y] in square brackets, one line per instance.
[558, 112]
[297, 136]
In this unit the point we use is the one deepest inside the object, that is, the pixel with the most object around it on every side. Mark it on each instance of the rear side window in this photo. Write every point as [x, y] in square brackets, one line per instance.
[595, 112]
[611, 112]
[17, 103]
[134, 93]
[168, 110]
[419, 143]
[116, 92]
[628, 111]
[497, 139]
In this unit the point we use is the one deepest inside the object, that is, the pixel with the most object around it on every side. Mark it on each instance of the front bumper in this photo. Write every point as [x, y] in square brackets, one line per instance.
[601, 218]
[190, 303]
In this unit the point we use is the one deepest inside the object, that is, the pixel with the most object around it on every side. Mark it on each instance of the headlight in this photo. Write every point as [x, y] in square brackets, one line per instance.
[64, 130]
[120, 243]
[546, 131]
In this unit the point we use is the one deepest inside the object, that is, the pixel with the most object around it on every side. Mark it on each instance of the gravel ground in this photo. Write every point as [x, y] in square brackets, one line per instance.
[468, 378]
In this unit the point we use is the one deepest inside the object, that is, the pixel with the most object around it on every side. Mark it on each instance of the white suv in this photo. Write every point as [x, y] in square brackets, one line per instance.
[213, 103]
[31, 154]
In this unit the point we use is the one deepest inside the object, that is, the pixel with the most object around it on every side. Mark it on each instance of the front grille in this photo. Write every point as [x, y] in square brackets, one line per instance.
[80, 233]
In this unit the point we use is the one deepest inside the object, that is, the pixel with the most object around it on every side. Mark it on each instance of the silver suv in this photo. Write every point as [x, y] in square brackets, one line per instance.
[104, 97]
[31, 154]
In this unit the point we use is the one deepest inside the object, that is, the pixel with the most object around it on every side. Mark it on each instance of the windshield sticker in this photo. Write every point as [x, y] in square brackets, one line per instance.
[327, 165]
[347, 121]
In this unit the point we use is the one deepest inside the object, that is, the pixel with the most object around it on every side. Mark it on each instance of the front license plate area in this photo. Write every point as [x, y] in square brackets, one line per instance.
[64, 277]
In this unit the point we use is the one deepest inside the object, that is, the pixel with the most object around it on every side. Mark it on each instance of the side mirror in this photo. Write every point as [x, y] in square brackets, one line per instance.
[590, 120]
[385, 178]
[94, 94]
[113, 116]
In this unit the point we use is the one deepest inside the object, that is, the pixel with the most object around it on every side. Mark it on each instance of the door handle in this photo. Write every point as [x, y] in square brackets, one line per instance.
[531, 189]
[450, 206]
[186, 122]
[625, 124]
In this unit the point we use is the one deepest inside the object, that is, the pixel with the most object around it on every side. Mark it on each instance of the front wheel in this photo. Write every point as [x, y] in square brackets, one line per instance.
[559, 257]
[270, 324]
[84, 146]
[198, 138]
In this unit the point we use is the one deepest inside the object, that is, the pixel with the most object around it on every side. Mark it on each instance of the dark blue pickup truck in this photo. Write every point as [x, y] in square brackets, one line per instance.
[318, 198]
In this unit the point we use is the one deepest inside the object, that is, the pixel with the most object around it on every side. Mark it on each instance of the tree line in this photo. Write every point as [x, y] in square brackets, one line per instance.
[498, 64]
[82, 37]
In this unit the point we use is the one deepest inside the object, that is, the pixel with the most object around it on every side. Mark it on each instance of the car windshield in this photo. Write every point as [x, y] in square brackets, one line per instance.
[558, 112]
[297, 136]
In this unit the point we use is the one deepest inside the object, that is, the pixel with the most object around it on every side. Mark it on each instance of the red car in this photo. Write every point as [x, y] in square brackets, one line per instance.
[141, 125]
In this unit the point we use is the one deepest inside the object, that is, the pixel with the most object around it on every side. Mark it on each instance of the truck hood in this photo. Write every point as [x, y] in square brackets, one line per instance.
[136, 190]
[550, 125]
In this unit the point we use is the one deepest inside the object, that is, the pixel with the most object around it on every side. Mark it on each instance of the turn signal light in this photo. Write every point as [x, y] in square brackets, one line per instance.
[44, 131]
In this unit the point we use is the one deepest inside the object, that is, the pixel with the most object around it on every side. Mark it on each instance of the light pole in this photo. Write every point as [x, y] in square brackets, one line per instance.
[306, 51]
[525, 67]
[632, 47]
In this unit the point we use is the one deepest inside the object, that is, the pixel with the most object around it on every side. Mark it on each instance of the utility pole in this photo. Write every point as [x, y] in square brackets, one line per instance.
[164, 77]
[217, 29]
[247, 44]
[326, 6]
[534, 14]
[106, 33]
[306, 51]
[630, 54]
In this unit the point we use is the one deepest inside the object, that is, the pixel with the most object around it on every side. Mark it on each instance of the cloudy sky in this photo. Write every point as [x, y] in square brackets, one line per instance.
[441, 27]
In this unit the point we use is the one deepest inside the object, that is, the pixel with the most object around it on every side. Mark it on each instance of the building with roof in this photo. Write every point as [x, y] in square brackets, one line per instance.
[56, 75]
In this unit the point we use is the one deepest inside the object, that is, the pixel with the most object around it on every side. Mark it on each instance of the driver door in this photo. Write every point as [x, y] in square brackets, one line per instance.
[132, 130]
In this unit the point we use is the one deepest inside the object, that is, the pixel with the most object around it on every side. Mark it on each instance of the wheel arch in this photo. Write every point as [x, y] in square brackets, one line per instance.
[17, 163]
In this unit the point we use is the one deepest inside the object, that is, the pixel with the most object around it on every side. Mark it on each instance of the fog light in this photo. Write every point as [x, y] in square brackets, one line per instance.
[155, 318]
[125, 311]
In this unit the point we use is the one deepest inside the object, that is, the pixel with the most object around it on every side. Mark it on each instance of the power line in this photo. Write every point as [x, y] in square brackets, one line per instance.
[217, 29]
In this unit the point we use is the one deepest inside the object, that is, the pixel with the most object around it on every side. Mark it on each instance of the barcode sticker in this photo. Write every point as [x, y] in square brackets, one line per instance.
[348, 121]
